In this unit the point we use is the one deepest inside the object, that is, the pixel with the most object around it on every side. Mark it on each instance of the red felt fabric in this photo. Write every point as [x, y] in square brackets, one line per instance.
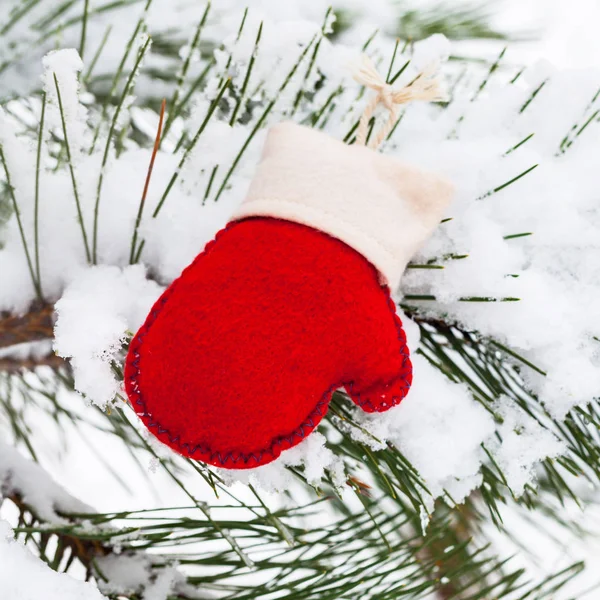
[238, 359]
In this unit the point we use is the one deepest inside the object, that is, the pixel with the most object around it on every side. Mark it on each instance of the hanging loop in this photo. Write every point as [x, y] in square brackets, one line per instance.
[426, 86]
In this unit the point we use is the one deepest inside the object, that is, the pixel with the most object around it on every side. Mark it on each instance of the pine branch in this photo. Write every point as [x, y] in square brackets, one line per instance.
[392, 558]
[16, 365]
[35, 325]
[83, 550]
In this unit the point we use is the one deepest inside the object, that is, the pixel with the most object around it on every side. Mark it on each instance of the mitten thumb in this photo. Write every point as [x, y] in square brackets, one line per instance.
[383, 374]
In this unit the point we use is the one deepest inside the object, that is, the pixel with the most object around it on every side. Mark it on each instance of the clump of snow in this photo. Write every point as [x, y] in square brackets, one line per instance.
[36, 488]
[135, 573]
[551, 269]
[524, 443]
[171, 240]
[312, 454]
[94, 315]
[61, 80]
[26, 577]
[434, 50]
[127, 573]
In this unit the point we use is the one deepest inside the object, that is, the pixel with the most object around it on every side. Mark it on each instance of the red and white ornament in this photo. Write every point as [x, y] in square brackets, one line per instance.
[238, 359]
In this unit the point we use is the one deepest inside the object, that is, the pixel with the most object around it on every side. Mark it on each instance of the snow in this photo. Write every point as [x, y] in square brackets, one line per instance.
[37, 489]
[554, 272]
[162, 20]
[94, 314]
[524, 443]
[23, 576]
[132, 574]
[437, 50]
[311, 453]
[439, 429]
[60, 78]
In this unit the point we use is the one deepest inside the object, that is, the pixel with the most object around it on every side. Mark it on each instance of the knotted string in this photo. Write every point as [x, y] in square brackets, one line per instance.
[426, 86]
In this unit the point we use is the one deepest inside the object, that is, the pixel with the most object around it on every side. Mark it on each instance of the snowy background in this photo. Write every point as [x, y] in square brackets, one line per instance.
[487, 130]
[566, 36]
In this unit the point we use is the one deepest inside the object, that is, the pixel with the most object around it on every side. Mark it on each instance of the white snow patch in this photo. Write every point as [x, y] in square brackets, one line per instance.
[311, 453]
[94, 315]
[524, 442]
[37, 489]
[135, 574]
[23, 576]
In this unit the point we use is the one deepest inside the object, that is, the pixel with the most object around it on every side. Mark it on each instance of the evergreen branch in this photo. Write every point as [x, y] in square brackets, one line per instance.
[33, 326]
[17, 365]
[380, 551]
[336, 563]
[222, 532]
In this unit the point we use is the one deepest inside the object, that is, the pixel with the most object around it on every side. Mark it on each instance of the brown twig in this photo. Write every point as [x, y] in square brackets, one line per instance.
[16, 365]
[84, 550]
[36, 325]
[81, 546]
[157, 140]
[462, 526]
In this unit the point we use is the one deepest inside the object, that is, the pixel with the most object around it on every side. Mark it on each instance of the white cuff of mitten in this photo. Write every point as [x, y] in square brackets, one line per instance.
[380, 206]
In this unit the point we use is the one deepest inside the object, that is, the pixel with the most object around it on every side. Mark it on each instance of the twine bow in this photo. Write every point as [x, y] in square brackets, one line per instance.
[426, 86]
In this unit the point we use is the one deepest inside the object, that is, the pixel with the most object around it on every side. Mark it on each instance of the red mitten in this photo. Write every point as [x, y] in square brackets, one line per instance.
[238, 359]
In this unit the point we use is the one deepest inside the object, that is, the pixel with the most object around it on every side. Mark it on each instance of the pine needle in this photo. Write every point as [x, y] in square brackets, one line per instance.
[147, 183]
[262, 119]
[36, 221]
[84, 22]
[246, 78]
[11, 190]
[72, 171]
[211, 110]
[113, 125]
[185, 68]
